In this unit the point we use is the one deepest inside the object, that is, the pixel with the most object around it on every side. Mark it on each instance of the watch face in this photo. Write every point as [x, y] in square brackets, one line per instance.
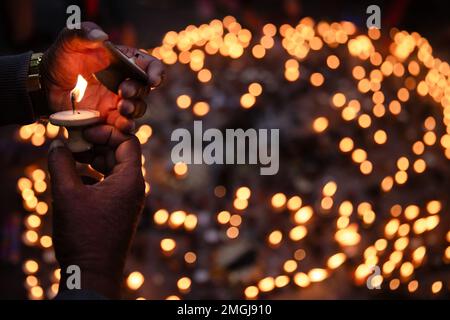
[34, 78]
[120, 69]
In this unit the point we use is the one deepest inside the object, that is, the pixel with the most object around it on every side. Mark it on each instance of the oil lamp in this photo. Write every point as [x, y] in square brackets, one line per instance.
[76, 119]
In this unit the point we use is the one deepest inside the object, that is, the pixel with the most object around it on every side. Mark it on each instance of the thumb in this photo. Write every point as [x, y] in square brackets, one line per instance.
[62, 168]
[89, 36]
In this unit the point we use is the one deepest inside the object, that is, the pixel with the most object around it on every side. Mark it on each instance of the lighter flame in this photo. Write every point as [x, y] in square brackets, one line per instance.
[80, 88]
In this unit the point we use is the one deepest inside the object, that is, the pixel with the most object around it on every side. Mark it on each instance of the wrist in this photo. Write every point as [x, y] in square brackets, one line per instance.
[35, 86]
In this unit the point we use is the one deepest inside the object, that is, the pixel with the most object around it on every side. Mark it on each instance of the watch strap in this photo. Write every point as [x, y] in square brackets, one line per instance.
[35, 87]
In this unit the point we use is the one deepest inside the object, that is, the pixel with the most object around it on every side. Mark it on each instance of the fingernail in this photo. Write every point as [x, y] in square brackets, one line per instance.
[129, 91]
[158, 82]
[128, 109]
[55, 144]
[97, 35]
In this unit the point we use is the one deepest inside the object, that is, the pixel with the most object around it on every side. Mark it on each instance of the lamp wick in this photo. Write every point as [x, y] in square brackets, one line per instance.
[72, 99]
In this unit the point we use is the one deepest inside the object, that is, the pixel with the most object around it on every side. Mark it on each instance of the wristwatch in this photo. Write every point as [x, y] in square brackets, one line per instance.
[34, 86]
[34, 76]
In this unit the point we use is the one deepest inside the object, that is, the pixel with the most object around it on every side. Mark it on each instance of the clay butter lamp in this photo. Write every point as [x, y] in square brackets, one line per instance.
[76, 120]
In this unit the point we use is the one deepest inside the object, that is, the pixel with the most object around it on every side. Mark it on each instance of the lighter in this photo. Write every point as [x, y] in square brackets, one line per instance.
[121, 68]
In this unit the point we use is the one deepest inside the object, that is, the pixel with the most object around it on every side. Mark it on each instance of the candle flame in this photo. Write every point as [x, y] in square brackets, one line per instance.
[80, 88]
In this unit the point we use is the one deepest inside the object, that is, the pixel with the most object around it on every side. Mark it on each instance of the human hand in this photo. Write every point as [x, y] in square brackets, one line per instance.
[93, 224]
[82, 52]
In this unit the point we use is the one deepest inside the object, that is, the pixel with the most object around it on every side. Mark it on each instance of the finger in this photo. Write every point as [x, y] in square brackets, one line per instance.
[110, 160]
[152, 66]
[127, 172]
[89, 36]
[124, 124]
[112, 117]
[133, 89]
[105, 135]
[155, 71]
[95, 157]
[87, 171]
[125, 107]
[131, 108]
[61, 165]
[140, 107]
[129, 152]
[110, 136]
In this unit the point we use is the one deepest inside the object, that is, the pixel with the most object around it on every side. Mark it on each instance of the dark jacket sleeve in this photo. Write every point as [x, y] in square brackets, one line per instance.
[15, 102]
